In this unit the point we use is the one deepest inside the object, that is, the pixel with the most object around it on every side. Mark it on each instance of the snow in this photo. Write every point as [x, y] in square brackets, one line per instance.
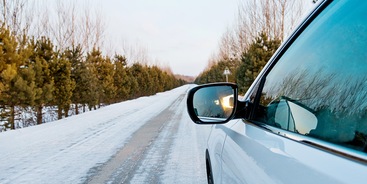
[65, 151]
[183, 166]
[185, 162]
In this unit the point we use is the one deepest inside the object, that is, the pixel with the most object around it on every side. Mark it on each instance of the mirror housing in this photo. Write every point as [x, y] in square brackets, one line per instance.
[214, 103]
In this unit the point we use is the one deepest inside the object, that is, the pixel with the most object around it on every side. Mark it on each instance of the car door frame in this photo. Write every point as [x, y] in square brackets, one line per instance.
[247, 125]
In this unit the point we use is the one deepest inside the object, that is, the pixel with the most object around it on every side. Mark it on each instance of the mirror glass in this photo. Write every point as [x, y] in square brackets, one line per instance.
[214, 103]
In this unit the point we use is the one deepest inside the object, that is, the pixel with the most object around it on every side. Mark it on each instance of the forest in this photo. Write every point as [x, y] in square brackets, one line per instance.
[56, 65]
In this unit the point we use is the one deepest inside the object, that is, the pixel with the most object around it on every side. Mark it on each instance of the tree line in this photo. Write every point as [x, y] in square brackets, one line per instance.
[245, 69]
[54, 57]
[35, 73]
[247, 46]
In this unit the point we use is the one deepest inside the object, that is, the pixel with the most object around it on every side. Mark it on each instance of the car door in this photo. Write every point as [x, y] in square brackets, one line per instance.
[309, 121]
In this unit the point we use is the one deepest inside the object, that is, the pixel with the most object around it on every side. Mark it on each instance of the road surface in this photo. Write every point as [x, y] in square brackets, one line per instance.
[146, 140]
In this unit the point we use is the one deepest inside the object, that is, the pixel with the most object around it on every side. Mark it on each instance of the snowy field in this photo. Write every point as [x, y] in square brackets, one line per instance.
[92, 146]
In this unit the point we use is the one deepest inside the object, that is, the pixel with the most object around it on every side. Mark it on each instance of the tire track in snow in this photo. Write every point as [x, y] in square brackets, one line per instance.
[123, 165]
[100, 130]
[151, 167]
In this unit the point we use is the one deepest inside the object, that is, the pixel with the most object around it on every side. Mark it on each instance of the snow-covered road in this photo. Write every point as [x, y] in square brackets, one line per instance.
[147, 140]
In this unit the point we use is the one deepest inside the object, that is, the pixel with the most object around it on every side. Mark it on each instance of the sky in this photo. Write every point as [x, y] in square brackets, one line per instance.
[180, 33]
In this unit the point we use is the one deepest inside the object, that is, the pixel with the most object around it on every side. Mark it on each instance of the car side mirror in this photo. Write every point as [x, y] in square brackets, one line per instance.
[212, 103]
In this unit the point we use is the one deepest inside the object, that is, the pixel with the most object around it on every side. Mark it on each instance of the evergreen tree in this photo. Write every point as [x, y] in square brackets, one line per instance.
[63, 85]
[88, 86]
[8, 72]
[159, 79]
[75, 56]
[94, 60]
[16, 77]
[106, 78]
[141, 75]
[42, 57]
[133, 83]
[215, 73]
[121, 78]
[254, 59]
[103, 69]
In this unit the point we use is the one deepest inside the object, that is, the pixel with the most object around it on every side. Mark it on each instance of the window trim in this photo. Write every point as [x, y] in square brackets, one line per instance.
[345, 152]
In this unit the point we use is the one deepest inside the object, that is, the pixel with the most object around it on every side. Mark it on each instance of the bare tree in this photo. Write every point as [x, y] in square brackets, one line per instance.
[63, 22]
[63, 28]
[135, 53]
[274, 17]
[92, 29]
[17, 16]
[43, 26]
[226, 46]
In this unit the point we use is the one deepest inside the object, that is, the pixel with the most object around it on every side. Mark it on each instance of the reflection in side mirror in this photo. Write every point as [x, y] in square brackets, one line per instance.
[213, 103]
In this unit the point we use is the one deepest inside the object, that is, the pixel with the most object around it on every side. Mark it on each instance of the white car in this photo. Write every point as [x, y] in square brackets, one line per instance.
[304, 119]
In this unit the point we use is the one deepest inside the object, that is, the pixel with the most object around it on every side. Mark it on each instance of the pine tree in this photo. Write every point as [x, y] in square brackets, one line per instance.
[142, 80]
[94, 60]
[254, 59]
[16, 77]
[75, 57]
[103, 69]
[121, 78]
[215, 73]
[89, 86]
[27, 94]
[133, 84]
[159, 79]
[42, 57]
[63, 84]
[107, 80]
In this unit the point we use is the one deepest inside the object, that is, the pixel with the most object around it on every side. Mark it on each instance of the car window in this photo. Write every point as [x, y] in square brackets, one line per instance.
[318, 87]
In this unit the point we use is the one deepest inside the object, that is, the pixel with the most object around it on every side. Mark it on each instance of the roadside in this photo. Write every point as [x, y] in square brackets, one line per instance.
[165, 146]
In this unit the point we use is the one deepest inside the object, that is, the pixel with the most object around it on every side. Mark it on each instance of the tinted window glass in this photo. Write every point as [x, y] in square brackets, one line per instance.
[319, 86]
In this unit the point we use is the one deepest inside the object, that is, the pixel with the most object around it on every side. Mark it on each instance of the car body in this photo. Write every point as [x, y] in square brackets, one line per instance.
[304, 119]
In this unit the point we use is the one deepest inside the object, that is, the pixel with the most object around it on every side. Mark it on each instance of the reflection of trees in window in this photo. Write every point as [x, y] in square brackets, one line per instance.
[319, 90]
[339, 100]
